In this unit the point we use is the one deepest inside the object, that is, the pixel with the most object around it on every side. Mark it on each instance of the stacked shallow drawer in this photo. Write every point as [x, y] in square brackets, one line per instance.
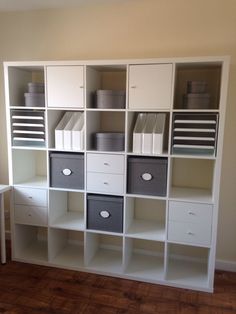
[28, 128]
[30, 206]
[194, 133]
[105, 173]
[190, 223]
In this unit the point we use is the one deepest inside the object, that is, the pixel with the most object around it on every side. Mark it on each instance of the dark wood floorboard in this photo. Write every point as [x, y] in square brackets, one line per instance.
[26, 288]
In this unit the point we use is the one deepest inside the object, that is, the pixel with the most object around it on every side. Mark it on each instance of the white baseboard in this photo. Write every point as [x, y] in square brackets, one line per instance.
[225, 265]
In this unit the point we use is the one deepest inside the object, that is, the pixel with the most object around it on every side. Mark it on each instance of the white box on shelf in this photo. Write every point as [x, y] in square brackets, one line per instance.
[158, 134]
[137, 133]
[59, 130]
[68, 130]
[78, 134]
[147, 143]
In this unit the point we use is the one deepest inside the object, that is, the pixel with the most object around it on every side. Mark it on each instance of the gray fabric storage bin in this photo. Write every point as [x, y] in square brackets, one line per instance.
[196, 101]
[67, 170]
[110, 99]
[147, 176]
[105, 213]
[196, 87]
[35, 87]
[34, 100]
[109, 141]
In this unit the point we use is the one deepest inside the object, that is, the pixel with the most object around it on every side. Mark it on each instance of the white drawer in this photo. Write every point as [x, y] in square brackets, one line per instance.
[102, 182]
[190, 212]
[105, 163]
[26, 196]
[31, 215]
[195, 233]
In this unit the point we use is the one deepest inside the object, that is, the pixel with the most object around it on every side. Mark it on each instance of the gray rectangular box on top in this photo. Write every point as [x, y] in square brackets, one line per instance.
[105, 213]
[109, 99]
[147, 176]
[67, 170]
[109, 141]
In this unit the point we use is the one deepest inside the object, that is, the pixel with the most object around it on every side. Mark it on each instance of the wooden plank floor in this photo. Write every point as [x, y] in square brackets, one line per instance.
[26, 288]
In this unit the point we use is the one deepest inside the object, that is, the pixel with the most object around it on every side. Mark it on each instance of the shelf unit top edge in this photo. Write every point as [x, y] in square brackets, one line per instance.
[98, 62]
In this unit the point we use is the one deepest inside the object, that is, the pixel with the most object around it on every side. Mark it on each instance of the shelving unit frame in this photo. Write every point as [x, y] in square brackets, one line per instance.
[198, 277]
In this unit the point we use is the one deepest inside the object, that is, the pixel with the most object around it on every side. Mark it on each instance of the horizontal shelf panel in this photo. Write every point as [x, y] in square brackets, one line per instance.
[27, 132]
[118, 234]
[70, 221]
[191, 194]
[65, 189]
[27, 108]
[193, 146]
[33, 125]
[193, 130]
[66, 150]
[195, 121]
[165, 154]
[31, 139]
[194, 138]
[39, 181]
[147, 196]
[193, 156]
[105, 109]
[189, 244]
[28, 148]
[28, 117]
[143, 229]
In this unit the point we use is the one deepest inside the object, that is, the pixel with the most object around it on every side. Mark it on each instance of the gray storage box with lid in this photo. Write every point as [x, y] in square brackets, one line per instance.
[35, 87]
[110, 99]
[147, 176]
[109, 141]
[105, 213]
[34, 100]
[67, 170]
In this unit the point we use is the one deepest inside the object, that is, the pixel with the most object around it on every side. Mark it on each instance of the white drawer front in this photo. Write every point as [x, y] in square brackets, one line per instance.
[190, 212]
[189, 232]
[105, 163]
[31, 215]
[26, 196]
[102, 182]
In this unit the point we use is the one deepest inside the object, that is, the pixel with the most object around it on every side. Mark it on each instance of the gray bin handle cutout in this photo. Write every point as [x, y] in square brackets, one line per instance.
[66, 172]
[104, 214]
[146, 176]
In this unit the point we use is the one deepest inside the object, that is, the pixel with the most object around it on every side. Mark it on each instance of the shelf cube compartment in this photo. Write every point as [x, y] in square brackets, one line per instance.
[66, 210]
[21, 81]
[188, 265]
[28, 128]
[209, 74]
[66, 247]
[31, 243]
[67, 170]
[194, 133]
[105, 130]
[147, 176]
[192, 179]
[104, 252]
[66, 130]
[145, 218]
[29, 167]
[106, 86]
[144, 259]
[105, 213]
[148, 133]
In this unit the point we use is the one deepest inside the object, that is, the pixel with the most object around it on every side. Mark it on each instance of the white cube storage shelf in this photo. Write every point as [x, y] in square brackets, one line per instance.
[167, 238]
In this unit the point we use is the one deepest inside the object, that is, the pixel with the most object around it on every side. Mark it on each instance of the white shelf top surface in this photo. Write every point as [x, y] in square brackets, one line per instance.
[144, 229]
[71, 220]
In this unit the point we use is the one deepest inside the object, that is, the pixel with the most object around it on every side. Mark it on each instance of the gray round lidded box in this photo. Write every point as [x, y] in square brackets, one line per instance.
[109, 99]
[109, 141]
